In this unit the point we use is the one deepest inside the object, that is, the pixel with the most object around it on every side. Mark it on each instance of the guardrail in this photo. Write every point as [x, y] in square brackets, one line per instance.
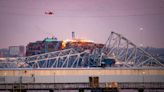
[74, 86]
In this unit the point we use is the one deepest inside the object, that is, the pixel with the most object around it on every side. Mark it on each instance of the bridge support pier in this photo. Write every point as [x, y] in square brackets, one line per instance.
[110, 90]
[96, 90]
[51, 90]
[140, 90]
[81, 90]
[105, 90]
[18, 90]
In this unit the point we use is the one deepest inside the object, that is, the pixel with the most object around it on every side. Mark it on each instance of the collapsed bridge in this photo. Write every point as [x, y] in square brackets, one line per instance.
[118, 51]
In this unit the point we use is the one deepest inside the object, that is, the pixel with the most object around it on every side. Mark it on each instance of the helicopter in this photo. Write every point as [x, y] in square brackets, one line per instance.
[49, 13]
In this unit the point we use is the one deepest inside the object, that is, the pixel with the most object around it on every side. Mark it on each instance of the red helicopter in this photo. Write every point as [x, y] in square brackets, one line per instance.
[49, 13]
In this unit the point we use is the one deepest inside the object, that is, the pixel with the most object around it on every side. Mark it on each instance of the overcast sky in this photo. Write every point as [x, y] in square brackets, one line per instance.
[24, 21]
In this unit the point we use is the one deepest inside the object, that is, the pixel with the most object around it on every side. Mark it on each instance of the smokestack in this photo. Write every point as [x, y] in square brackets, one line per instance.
[73, 35]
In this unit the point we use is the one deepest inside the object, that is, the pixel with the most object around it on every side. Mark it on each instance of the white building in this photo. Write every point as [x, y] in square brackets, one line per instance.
[16, 51]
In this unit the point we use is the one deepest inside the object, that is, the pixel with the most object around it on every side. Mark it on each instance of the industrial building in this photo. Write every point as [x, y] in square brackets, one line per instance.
[13, 51]
[16, 51]
[4, 53]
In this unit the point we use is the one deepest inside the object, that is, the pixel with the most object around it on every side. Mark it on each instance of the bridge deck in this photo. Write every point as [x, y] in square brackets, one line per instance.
[79, 78]
[79, 71]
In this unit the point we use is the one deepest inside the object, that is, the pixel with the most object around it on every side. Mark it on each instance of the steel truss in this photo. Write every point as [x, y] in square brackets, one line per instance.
[127, 54]
[58, 59]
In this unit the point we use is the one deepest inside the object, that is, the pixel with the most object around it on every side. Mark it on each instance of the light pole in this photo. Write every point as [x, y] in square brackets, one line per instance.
[141, 31]
[143, 73]
[5, 77]
[54, 80]
[54, 77]
[33, 78]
